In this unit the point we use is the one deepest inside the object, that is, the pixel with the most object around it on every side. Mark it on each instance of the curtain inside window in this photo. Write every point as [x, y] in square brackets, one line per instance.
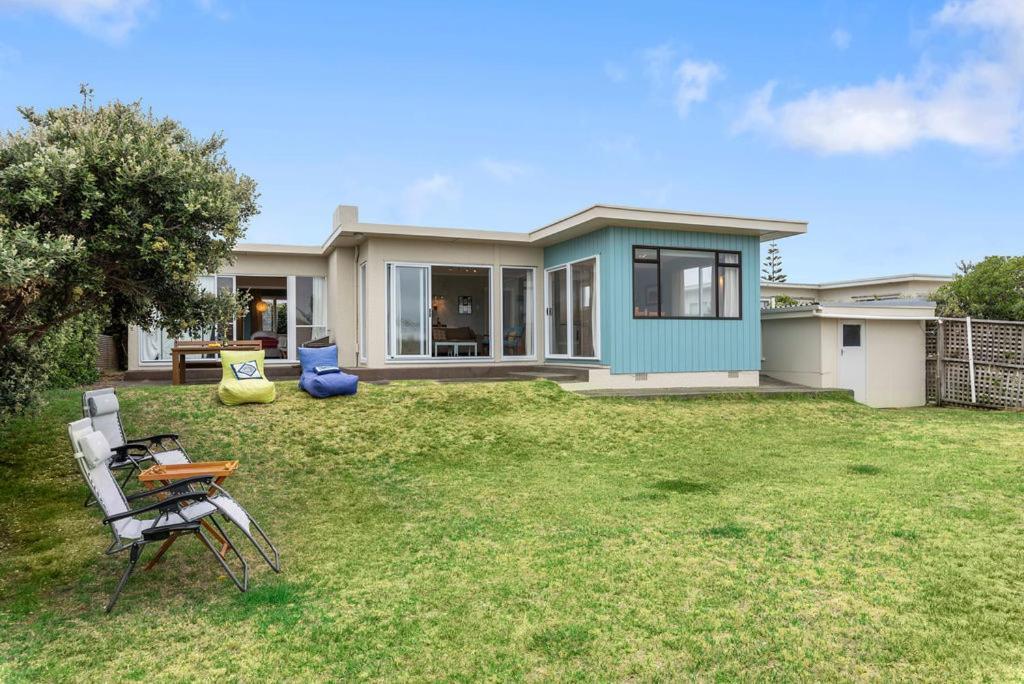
[319, 302]
[729, 292]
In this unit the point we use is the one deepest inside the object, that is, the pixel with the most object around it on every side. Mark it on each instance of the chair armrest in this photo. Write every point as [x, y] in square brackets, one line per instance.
[177, 484]
[169, 502]
[122, 453]
[155, 439]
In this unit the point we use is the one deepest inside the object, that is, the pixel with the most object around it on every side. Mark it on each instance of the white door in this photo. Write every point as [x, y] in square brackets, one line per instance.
[852, 369]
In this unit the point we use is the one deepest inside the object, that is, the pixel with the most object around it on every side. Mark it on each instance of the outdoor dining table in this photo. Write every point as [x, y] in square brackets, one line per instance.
[161, 475]
[185, 348]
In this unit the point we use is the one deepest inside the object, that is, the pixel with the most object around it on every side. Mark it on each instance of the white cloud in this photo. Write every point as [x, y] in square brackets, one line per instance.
[425, 194]
[841, 38]
[690, 81]
[657, 62]
[108, 19]
[503, 171]
[693, 80]
[615, 72]
[975, 102]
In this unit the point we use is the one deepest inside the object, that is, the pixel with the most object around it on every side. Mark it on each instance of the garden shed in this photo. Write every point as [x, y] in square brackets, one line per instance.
[875, 349]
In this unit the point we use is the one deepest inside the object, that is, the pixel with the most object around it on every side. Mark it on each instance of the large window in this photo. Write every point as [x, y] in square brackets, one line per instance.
[685, 283]
[517, 305]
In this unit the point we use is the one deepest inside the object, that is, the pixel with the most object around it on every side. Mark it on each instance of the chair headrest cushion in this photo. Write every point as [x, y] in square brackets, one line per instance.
[95, 449]
[103, 404]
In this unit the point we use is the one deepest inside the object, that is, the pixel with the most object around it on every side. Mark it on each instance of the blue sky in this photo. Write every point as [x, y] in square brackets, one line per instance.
[895, 129]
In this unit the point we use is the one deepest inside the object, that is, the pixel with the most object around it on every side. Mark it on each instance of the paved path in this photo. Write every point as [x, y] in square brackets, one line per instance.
[768, 386]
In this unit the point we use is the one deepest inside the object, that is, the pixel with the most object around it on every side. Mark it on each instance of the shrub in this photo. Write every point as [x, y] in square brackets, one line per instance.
[70, 352]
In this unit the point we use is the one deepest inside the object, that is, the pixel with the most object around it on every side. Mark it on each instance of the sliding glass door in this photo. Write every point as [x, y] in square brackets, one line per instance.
[584, 274]
[517, 307]
[409, 311]
[284, 313]
[571, 310]
[557, 309]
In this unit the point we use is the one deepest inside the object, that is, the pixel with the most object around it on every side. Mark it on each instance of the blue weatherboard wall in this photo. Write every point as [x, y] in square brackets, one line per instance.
[631, 345]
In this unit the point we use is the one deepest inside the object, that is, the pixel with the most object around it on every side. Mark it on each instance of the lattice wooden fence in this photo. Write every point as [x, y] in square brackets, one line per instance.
[975, 363]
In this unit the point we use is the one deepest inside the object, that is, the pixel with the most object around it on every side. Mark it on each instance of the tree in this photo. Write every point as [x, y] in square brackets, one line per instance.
[110, 211]
[771, 270]
[992, 288]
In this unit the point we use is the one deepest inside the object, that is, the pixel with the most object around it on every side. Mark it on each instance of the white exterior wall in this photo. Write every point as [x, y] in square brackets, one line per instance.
[791, 350]
[805, 350]
[895, 363]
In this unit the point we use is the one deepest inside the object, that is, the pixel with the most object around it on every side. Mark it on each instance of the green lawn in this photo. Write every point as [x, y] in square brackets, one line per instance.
[514, 531]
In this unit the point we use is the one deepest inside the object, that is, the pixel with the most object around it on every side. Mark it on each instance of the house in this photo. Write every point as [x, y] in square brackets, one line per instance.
[874, 348]
[882, 288]
[636, 297]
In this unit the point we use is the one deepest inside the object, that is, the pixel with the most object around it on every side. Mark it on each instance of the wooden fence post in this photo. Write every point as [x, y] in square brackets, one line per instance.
[940, 363]
[970, 361]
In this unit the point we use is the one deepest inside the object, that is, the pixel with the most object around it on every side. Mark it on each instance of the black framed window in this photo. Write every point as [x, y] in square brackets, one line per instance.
[671, 282]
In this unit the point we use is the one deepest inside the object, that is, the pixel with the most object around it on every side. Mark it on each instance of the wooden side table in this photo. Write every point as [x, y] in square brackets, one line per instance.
[161, 475]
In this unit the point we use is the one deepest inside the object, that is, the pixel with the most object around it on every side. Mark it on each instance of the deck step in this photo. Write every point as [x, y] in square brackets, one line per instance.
[546, 375]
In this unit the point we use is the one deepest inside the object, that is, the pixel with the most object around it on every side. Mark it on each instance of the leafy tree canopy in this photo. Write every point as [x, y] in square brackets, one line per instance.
[992, 289]
[111, 209]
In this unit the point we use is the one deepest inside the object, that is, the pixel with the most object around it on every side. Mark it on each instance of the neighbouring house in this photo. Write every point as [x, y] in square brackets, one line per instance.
[874, 348]
[637, 297]
[882, 288]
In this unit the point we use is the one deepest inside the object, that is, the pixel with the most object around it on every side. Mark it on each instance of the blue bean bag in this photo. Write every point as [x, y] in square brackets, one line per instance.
[328, 384]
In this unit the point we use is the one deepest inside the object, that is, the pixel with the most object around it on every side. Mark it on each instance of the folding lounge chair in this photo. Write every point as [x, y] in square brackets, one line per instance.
[103, 408]
[178, 512]
[104, 411]
[218, 500]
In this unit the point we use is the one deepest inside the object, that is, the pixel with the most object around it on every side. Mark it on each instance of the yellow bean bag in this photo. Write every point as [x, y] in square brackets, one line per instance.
[243, 380]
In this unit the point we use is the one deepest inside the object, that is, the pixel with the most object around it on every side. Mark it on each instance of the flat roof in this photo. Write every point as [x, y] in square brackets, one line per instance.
[893, 309]
[269, 248]
[349, 230]
[876, 280]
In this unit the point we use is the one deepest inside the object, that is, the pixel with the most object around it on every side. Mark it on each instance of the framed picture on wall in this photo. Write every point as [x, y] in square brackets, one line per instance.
[465, 304]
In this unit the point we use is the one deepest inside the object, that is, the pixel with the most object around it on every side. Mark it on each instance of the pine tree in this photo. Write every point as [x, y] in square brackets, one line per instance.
[771, 270]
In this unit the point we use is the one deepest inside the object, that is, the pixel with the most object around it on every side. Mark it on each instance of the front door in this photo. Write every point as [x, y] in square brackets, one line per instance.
[852, 371]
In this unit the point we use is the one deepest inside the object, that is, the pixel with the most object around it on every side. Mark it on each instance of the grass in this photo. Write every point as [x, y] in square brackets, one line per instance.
[514, 531]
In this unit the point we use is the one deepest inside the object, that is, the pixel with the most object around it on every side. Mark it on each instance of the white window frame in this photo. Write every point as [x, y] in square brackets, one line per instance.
[430, 358]
[362, 311]
[570, 329]
[501, 311]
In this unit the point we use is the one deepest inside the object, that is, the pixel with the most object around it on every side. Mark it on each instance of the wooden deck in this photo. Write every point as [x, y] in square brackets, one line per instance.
[207, 372]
